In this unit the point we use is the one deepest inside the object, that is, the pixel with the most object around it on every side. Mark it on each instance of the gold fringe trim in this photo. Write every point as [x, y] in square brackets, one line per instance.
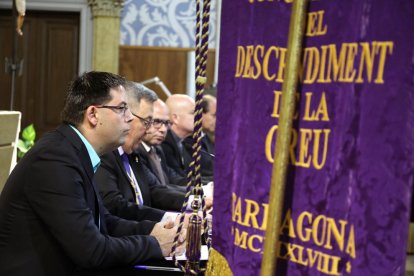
[217, 265]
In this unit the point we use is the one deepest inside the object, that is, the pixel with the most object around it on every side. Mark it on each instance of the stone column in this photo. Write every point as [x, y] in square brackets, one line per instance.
[106, 31]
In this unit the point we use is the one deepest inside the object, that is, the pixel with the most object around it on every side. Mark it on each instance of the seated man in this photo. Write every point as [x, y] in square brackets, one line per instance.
[208, 122]
[125, 182]
[151, 152]
[152, 155]
[177, 145]
[182, 125]
[51, 216]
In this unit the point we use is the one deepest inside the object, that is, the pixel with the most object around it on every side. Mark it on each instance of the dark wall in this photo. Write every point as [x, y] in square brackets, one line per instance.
[50, 49]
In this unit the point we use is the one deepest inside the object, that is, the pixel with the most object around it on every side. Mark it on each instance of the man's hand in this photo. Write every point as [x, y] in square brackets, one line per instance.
[208, 191]
[185, 222]
[208, 201]
[186, 218]
[165, 232]
[168, 223]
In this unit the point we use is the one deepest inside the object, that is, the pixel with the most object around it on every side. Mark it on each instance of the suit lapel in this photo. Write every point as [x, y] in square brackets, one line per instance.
[208, 144]
[126, 177]
[137, 168]
[120, 164]
[91, 193]
[171, 140]
[144, 153]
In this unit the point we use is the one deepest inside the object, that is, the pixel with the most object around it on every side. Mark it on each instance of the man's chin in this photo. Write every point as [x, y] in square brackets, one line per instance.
[121, 140]
[111, 147]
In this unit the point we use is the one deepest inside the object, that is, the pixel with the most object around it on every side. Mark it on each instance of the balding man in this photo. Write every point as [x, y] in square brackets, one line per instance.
[152, 155]
[124, 181]
[150, 149]
[182, 125]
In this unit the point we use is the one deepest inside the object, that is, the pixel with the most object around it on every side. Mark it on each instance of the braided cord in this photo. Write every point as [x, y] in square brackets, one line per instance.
[194, 176]
[204, 50]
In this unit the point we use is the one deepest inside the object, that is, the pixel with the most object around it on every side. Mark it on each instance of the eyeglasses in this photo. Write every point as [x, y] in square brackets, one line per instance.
[119, 109]
[157, 123]
[147, 122]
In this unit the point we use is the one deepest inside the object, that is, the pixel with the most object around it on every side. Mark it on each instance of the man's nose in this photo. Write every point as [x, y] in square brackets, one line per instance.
[128, 116]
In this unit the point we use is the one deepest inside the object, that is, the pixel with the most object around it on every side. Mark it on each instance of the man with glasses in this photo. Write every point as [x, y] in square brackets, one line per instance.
[151, 152]
[51, 216]
[124, 181]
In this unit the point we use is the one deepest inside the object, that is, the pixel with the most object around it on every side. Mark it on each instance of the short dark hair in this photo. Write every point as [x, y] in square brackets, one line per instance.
[137, 92]
[91, 88]
[205, 103]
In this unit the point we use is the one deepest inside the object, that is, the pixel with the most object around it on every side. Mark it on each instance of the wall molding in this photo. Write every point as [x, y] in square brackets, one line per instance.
[109, 8]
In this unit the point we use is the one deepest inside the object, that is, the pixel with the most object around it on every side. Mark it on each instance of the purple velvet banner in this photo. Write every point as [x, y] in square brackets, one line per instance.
[351, 166]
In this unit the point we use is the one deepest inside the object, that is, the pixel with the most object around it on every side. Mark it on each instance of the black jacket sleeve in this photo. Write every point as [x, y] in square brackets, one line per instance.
[112, 185]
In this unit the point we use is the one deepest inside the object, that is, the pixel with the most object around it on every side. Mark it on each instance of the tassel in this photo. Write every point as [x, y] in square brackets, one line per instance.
[193, 248]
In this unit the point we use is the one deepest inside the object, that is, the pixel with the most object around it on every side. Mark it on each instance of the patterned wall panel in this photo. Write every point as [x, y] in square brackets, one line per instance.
[163, 23]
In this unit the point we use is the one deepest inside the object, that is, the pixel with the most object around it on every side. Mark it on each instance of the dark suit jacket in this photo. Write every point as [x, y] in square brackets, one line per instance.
[173, 177]
[174, 159]
[52, 221]
[180, 162]
[207, 144]
[115, 188]
[206, 156]
[117, 194]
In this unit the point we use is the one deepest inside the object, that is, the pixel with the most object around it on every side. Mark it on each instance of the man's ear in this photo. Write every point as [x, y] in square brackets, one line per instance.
[174, 118]
[91, 115]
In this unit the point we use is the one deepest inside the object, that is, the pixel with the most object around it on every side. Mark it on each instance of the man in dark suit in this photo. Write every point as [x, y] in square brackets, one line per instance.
[125, 182]
[151, 152]
[178, 142]
[209, 105]
[182, 118]
[52, 221]
[152, 155]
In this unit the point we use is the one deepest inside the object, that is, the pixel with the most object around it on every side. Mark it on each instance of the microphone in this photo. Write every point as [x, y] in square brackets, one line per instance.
[206, 152]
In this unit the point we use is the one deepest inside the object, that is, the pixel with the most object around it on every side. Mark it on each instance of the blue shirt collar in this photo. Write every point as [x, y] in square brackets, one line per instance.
[96, 161]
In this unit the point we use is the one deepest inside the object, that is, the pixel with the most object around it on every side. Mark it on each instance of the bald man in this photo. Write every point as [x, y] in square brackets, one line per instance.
[182, 125]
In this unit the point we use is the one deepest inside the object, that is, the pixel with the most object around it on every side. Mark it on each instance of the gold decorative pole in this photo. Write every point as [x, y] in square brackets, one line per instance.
[280, 163]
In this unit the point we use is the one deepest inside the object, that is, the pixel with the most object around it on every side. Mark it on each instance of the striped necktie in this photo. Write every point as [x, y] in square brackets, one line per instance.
[156, 164]
[134, 185]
